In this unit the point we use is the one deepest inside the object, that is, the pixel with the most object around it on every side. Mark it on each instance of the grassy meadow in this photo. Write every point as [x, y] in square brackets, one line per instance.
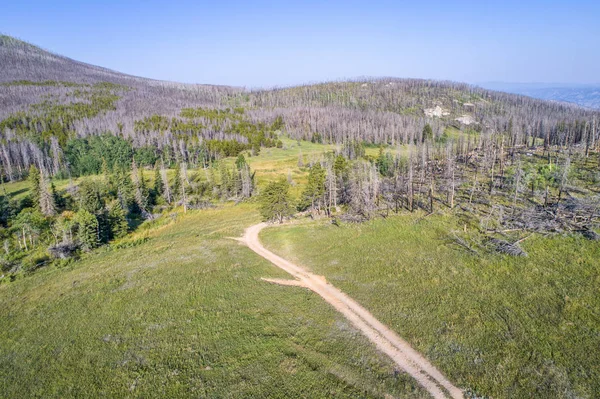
[498, 326]
[271, 164]
[179, 310]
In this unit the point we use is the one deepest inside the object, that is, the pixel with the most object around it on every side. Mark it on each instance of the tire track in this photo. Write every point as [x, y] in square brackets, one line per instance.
[387, 341]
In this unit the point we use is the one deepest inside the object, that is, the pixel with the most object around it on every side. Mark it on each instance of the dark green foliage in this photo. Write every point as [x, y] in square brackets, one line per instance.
[427, 132]
[226, 181]
[385, 163]
[275, 201]
[213, 114]
[45, 83]
[226, 148]
[125, 191]
[6, 210]
[54, 118]
[312, 197]
[85, 155]
[340, 165]
[145, 156]
[176, 183]
[278, 124]
[117, 220]
[59, 200]
[30, 226]
[240, 162]
[88, 232]
[34, 180]
[158, 185]
[90, 198]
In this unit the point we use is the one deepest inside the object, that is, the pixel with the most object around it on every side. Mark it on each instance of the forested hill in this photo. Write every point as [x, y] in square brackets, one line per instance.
[49, 102]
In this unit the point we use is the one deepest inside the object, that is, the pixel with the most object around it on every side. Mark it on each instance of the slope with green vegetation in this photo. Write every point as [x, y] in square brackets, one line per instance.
[117, 195]
[496, 325]
[179, 310]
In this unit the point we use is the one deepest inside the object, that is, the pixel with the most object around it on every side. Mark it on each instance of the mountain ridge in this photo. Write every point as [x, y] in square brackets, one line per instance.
[36, 108]
[585, 95]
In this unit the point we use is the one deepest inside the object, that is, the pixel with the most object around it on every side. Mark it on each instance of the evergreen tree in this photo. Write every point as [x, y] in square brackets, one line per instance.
[275, 201]
[139, 187]
[88, 231]
[385, 163]
[158, 186]
[117, 220]
[6, 209]
[236, 181]
[240, 162]
[34, 180]
[313, 195]
[226, 180]
[427, 132]
[58, 199]
[89, 198]
[125, 190]
[176, 186]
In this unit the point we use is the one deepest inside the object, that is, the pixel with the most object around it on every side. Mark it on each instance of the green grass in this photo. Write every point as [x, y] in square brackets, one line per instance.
[270, 164]
[180, 311]
[496, 325]
[273, 163]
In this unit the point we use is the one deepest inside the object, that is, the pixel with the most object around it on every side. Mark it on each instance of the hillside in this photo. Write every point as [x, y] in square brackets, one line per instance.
[46, 95]
[453, 230]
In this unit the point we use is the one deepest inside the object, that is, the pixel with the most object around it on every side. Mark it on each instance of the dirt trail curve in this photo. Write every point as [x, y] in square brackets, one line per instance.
[385, 339]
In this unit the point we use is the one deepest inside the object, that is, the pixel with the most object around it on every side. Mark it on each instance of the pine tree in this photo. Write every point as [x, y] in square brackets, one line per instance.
[117, 220]
[176, 186]
[240, 162]
[89, 198]
[226, 180]
[139, 188]
[88, 231]
[158, 186]
[34, 179]
[427, 132]
[313, 195]
[108, 179]
[275, 201]
[58, 199]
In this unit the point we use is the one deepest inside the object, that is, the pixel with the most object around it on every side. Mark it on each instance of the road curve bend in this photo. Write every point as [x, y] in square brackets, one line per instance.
[387, 341]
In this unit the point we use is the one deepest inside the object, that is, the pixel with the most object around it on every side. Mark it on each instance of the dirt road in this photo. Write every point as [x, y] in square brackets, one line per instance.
[384, 339]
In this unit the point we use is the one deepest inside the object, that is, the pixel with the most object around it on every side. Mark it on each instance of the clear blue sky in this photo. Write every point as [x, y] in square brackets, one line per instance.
[263, 43]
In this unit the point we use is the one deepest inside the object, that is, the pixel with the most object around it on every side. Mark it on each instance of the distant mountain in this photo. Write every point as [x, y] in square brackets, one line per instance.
[23, 61]
[584, 95]
[48, 99]
[20, 60]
